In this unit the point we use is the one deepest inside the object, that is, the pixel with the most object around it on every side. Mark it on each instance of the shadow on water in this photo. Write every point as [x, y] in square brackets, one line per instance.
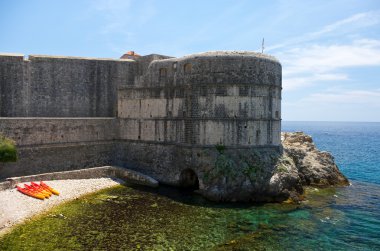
[191, 197]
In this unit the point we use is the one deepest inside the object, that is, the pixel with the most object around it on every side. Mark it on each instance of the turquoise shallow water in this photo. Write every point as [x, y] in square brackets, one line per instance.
[356, 148]
[130, 218]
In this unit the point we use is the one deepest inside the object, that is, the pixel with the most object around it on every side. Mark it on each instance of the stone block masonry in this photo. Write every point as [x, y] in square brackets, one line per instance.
[47, 86]
[232, 99]
[57, 144]
[156, 114]
[48, 131]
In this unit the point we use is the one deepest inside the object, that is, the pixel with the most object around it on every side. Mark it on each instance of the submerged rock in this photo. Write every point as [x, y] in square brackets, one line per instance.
[271, 176]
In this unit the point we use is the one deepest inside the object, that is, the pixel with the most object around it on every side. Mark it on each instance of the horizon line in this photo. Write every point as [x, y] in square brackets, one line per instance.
[331, 121]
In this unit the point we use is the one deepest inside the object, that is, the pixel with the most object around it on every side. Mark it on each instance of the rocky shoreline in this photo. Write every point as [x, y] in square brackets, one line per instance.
[271, 176]
[306, 165]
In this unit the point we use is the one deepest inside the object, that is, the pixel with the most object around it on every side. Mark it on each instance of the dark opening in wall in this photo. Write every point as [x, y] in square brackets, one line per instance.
[188, 180]
[163, 73]
[277, 114]
[187, 68]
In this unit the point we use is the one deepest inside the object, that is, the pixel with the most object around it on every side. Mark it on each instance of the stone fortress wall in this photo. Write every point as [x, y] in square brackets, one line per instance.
[155, 114]
[230, 99]
[47, 86]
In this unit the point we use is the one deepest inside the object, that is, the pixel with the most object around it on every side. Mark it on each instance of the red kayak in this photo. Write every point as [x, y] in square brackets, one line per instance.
[30, 188]
[30, 193]
[38, 191]
[49, 188]
[41, 188]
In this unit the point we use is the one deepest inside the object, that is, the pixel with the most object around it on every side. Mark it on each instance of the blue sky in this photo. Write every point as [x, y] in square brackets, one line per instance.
[329, 50]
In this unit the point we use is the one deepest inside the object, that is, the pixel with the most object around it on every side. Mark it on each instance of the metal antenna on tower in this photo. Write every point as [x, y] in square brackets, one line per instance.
[262, 46]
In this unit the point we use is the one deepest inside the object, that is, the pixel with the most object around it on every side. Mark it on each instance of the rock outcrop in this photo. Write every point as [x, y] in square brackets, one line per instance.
[270, 176]
[315, 168]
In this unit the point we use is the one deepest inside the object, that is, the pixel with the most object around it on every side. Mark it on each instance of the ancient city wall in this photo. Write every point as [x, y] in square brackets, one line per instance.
[158, 115]
[48, 131]
[52, 86]
[55, 144]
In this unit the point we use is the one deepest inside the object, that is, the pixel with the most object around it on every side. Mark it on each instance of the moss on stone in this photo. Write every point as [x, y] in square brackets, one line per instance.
[283, 164]
[220, 148]
[8, 151]
[224, 166]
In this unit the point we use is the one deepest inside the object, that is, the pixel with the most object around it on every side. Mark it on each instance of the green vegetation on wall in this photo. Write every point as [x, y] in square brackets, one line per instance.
[251, 165]
[8, 151]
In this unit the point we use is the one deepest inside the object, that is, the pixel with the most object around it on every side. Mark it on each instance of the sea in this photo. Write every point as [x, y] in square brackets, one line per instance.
[134, 218]
[356, 148]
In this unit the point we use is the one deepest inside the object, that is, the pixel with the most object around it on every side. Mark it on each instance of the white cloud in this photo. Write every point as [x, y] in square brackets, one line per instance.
[343, 105]
[326, 58]
[315, 59]
[371, 98]
[309, 59]
[359, 20]
[316, 63]
[338, 28]
[291, 83]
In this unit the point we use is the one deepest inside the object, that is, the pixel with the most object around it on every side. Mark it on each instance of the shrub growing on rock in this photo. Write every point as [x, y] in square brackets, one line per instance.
[8, 151]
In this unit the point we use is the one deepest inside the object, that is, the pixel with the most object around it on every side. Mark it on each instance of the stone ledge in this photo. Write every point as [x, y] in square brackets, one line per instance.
[31, 57]
[58, 118]
[88, 173]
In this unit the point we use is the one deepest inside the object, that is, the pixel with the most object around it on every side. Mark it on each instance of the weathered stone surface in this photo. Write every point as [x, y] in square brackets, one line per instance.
[269, 176]
[229, 98]
[37, 159]
[54, 86]
[48, 131]
[315, 168]
[135, 177]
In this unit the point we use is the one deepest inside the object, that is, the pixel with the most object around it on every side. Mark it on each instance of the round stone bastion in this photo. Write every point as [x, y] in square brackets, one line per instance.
[217, 121]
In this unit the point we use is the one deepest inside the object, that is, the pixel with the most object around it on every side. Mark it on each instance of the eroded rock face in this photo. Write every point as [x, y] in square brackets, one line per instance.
[269, 176]
[315, 168]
